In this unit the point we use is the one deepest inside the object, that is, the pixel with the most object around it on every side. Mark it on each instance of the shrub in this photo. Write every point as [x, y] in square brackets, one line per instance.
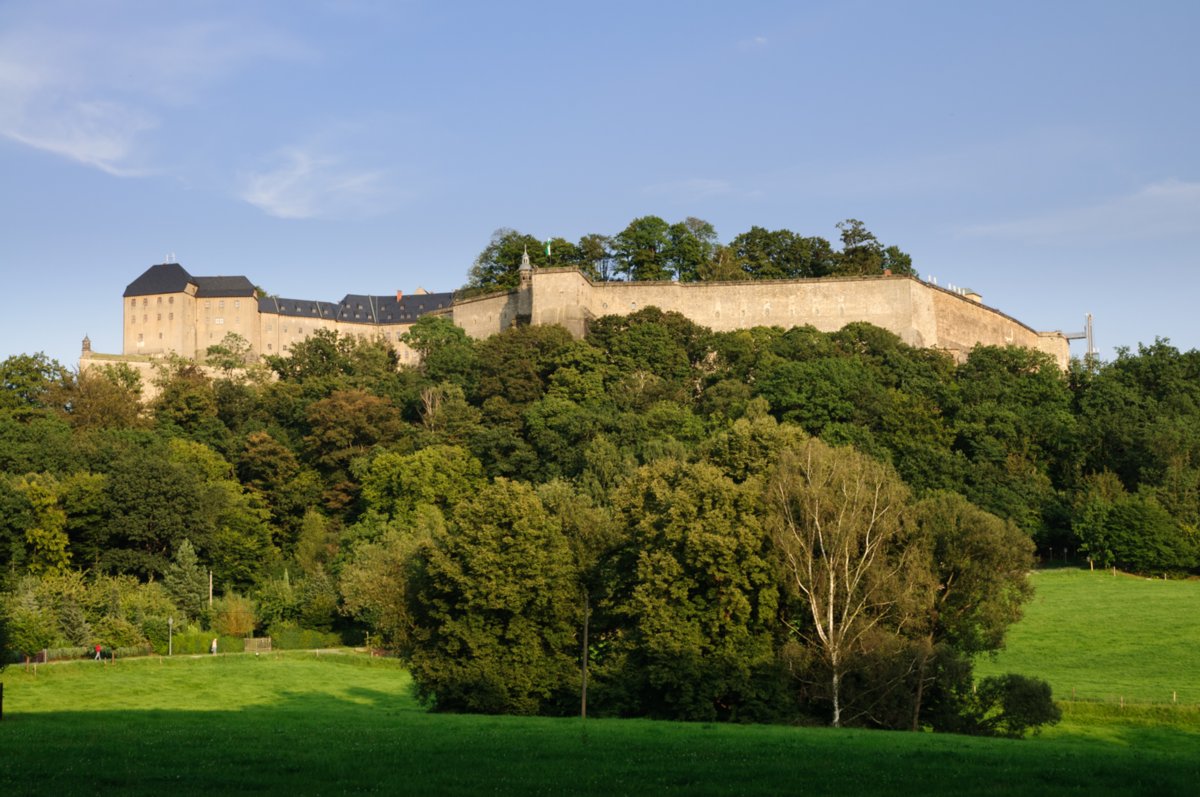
[1009, 705]
[233, 615]
[72, 652]
[73, 623]
[195, 642]
[277, 601]
[117, 632]
[317, 601]
[288, 636]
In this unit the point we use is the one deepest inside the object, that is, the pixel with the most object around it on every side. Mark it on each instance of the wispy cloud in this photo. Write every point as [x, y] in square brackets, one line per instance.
[97, 132]
[754, 43]
[94, 90]
[1166, 208]
[304, 185]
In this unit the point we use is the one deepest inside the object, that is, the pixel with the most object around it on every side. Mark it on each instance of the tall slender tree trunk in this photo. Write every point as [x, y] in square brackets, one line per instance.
[587, 611]
[837, 704]
[922, 665]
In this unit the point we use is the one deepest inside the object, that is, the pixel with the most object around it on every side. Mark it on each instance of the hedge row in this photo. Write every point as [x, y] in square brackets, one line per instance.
[284, 637]
[198, 642]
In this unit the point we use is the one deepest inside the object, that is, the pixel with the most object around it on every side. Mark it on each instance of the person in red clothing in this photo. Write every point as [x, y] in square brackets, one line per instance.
[97, 651]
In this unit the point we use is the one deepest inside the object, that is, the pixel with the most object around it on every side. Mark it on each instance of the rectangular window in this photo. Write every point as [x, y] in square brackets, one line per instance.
[160, 336]
[218, 320]
[237, 303]
[221, 304]
[170, 316]
[171, 300]
[159, 317]
[159, 300]
[145, 318]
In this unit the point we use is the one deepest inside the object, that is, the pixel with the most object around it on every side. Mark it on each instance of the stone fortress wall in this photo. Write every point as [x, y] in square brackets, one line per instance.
[166, 310]
[921, 314]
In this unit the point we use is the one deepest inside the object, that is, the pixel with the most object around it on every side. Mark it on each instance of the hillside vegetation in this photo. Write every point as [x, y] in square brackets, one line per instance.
[766, 524]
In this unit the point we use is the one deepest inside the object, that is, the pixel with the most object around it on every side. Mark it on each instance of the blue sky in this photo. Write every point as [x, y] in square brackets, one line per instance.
[1044, 154]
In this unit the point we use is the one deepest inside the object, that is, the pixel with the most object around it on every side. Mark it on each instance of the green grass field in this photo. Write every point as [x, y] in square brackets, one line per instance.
[345, 723]
[1102, 637]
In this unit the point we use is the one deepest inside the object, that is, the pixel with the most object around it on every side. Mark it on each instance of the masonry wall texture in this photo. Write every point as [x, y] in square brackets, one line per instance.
[168, 310]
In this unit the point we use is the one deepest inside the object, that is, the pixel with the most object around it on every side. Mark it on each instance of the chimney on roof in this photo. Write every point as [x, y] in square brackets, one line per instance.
[399, 296]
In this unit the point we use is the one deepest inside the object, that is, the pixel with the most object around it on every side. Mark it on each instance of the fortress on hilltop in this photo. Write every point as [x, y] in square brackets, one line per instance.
[168, 310]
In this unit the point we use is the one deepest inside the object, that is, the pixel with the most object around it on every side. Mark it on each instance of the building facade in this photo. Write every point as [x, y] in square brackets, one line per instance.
[169, 310]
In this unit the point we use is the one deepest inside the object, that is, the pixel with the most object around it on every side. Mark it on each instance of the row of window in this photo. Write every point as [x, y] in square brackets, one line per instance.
[237, 303]
[171, 317]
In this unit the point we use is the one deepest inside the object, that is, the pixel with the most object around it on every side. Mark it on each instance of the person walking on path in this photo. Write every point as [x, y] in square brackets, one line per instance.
[97, 651]
[212, 648]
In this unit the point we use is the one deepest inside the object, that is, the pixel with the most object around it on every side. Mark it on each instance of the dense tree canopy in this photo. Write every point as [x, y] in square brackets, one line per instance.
[657, 500]
[652, 248]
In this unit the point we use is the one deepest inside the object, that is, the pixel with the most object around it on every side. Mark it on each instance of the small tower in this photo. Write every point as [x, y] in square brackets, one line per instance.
[87, 345]
[525, 290]
[526, 270]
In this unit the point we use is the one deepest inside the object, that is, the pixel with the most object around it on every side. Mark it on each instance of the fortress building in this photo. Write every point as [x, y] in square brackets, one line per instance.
[166, 309]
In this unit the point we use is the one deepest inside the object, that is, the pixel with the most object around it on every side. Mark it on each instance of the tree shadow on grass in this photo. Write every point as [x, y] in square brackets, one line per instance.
[364, 740]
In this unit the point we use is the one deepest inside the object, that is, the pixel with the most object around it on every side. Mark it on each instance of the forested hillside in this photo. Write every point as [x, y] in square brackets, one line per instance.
[762, 524]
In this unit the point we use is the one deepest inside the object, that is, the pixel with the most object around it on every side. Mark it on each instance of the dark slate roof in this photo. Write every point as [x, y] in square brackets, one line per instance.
[299, 308]
[364, 309]
[174, 278]
[163, 278]
[354, 307]
[217, 287]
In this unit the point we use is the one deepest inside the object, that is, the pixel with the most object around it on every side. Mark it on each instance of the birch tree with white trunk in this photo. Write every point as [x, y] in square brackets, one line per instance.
[835, 517]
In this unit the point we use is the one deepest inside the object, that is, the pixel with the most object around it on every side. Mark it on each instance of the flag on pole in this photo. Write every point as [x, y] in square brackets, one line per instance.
[547, 247]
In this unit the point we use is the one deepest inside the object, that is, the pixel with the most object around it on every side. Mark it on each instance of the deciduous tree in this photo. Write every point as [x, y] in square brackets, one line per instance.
[496, 609]
[835, 517]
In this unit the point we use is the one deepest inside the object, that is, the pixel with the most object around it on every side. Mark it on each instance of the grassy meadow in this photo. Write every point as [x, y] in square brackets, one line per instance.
[338, 723]
[1096, 636]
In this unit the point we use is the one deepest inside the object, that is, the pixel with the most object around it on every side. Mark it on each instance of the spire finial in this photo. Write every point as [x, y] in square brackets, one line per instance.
[525, 264]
